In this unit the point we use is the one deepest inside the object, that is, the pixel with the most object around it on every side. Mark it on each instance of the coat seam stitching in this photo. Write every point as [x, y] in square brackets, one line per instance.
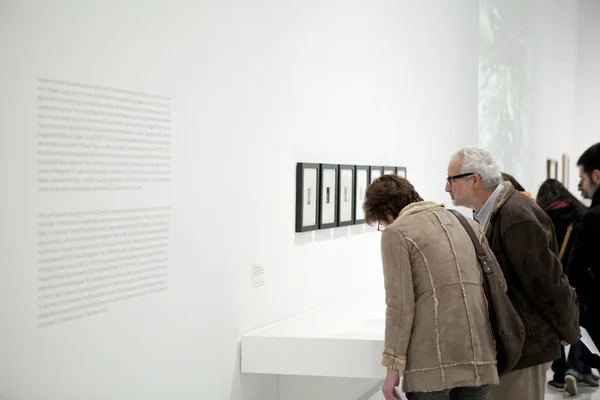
[464, 295]
[435, 311]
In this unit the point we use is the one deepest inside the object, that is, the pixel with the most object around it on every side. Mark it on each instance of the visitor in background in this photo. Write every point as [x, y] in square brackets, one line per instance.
[516, 184]
[565, 211]
[437, 328]
[524, 242]
[584, 261]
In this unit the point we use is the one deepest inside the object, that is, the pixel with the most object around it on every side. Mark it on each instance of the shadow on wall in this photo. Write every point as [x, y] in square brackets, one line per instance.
[304, 238]
[505, 82]
[252, 386]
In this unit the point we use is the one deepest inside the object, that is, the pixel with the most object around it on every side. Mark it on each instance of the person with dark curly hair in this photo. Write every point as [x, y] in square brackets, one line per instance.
[437, 330]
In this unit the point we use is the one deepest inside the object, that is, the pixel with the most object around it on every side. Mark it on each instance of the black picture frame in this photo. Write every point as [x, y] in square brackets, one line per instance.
[389, 170]
[328, 189]
[401, 172]
[361, 182]
[308, 177]
[345, 199]
[375, 172]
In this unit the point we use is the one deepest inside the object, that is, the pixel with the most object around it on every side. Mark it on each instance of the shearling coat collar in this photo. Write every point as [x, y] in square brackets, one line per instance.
[418, 206]
[504, 194]
[506, 190]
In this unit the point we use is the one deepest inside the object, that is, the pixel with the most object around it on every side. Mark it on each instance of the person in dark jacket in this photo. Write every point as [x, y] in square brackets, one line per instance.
[523, 240]
[565, 211]
[584, 261]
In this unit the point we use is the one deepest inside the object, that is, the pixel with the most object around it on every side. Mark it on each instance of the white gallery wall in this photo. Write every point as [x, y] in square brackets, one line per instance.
[554, 26]
[565, 87]
[148, 155]
[527, 101]
[588, 81]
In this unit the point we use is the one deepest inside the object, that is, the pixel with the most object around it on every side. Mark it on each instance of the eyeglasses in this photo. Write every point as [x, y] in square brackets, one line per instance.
[452, 178]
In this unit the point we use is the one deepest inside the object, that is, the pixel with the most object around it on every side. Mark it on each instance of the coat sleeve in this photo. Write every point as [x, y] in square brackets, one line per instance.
[399, 298]
[541, 276]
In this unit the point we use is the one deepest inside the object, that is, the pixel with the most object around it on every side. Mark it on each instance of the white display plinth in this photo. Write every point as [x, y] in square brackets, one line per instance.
[343, 339]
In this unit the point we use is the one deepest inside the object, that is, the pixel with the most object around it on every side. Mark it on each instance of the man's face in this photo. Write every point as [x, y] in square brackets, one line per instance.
[461, 189]
[588, 185]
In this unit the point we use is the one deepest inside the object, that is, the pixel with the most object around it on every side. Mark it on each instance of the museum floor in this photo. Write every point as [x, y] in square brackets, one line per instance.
[585, 393]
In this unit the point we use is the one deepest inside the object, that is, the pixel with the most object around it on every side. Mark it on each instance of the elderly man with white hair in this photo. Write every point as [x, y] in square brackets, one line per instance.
[523, 240]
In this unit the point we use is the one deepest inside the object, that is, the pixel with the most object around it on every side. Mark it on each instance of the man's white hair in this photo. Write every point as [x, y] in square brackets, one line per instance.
[476, 160]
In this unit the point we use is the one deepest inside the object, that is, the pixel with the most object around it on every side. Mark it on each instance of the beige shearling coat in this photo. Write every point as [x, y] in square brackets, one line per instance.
[437, 323]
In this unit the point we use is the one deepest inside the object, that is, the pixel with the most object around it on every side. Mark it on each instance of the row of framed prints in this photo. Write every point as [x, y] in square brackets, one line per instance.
[331, 195]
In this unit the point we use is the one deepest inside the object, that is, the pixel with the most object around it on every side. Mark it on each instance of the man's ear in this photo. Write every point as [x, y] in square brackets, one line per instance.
[596, 177]
[476, 180]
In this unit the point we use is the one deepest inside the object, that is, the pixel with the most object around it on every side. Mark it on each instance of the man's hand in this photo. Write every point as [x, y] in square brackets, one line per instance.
[392, 380]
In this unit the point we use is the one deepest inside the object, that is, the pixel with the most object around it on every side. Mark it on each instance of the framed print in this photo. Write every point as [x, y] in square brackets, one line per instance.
[328, 196]
[374, 173]
[346, 195]
[361, 181]
[389, 170]
[565, 170]
[551, 169]
[401, 172]
[307, 196]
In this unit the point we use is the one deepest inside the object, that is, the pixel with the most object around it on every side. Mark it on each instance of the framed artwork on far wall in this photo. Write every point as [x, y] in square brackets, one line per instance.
[328, 196]
[401, 172]
[389, 170]
[565, 170]
[361, 181]
[374, 173]
[346, 195]
[307, 196]
[551, 169]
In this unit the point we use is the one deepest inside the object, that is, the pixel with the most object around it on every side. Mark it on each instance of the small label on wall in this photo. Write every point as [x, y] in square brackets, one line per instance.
[258, 275]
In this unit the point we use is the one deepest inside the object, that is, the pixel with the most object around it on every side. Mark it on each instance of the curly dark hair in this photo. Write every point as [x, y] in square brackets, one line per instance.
[387, 196]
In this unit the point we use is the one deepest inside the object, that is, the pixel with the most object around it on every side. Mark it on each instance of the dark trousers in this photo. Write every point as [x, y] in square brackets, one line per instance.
[589, 318]
[559, 367]
[461, 393]
[576, 366]
[581, 360]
